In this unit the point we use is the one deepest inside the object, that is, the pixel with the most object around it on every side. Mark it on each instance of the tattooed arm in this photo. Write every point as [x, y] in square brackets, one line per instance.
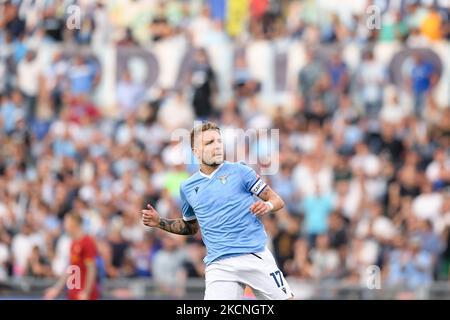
[179, 226]
[151, 218]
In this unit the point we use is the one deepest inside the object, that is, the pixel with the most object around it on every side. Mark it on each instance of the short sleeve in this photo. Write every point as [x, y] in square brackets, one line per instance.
[89, 250]
[186, 209]
[251, 180]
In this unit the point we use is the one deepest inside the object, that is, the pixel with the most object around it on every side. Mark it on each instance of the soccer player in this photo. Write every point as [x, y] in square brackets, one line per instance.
[219, 200]
[82, 260]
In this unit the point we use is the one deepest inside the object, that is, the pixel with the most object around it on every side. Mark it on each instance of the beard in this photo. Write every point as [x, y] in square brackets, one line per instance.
[213, 162]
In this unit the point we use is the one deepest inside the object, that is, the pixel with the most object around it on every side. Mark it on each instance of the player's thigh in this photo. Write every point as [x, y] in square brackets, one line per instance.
[222, 281]
[266, 279]
[224, 290]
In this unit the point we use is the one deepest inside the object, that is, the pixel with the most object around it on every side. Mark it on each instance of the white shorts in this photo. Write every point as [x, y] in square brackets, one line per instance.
[226, 279]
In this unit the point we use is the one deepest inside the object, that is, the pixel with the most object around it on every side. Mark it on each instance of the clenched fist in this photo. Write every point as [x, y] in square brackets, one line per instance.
[260, 208]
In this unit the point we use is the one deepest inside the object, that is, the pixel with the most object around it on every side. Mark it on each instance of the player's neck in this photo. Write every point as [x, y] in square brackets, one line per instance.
[208, 169]
[77, 235]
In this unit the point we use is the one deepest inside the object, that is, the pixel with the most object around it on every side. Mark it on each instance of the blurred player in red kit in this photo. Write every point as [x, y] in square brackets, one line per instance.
[82, 264]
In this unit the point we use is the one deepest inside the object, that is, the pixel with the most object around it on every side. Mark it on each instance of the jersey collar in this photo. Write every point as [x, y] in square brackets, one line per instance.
[209, 176]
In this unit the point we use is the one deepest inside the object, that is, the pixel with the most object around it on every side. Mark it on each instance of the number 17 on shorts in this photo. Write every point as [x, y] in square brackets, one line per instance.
[278, 278]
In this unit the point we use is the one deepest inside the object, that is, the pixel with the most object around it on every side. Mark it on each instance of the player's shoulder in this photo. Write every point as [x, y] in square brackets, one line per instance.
[88, 240]
[241, 166]
[236, 164]
[189, 181]
[230, 167]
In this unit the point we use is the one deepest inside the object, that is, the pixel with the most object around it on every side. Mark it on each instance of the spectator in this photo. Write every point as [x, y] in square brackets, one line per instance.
[429, 240]
[11, 111]
[38, 265]
[370, 79]
[410, 266]
[194, 266]
[118, 252]
[13, 23]
[438, 171]
[5, 259]
[428, 204]
[393, 112]
[54, 78]
[141, 254]
[82, 75]
[204, 85]
[445, 257]
[325, 260]
[394, 27]
[176, 113]
[128, 39]
[130, 95]
[2, 76]
[419, 271]
[283, 243]
[28, 78]
[388, 144]
[422, 79]
[431, 25]
[309, 76]
[316, 209]
[338, 72]
[395, 271]
[337, 233]
[168, 267]
[22, 246]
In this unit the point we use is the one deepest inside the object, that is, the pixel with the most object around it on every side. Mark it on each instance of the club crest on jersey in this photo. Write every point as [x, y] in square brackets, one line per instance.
[223, 179]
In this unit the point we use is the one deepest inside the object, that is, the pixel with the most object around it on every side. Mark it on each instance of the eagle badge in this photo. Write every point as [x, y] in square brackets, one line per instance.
[223, 179]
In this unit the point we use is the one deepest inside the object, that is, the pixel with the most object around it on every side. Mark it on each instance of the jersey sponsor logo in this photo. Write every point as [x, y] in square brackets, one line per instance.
[258, 186]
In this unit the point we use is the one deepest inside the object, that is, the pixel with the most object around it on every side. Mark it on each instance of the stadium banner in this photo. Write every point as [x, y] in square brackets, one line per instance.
[156, 68]
[400, 59]
[442, 89]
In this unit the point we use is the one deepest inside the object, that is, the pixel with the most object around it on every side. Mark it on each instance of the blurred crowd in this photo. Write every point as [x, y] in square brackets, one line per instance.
[364, 171]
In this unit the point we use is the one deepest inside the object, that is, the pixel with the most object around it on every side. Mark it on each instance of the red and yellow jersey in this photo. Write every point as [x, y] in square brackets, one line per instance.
[83, 251]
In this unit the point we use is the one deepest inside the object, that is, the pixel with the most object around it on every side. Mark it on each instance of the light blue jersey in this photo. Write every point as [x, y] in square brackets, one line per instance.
[221, 204]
